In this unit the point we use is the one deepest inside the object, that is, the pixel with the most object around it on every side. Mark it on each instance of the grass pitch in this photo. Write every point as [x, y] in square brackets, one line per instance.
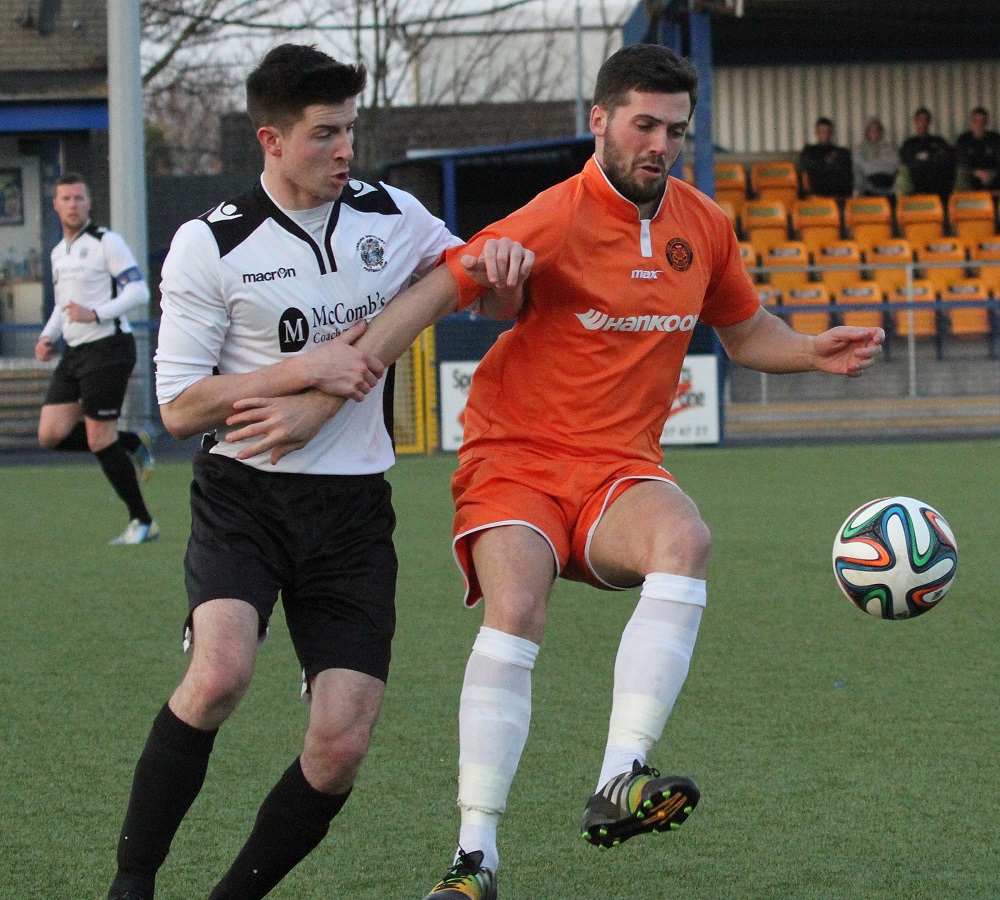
[839, 756]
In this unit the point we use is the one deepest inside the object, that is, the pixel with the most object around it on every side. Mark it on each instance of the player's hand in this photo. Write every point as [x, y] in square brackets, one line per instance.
[282, 424]
[502, 268]
[846, 350]
[44, 349]
[77, 313]
[340, 369]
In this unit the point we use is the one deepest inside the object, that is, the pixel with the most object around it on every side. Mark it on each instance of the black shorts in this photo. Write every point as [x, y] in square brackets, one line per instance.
[323, 541]
[95, 375]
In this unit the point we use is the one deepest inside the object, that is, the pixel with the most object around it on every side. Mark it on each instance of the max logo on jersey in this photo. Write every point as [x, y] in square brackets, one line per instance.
[224, 212]
[593, 320]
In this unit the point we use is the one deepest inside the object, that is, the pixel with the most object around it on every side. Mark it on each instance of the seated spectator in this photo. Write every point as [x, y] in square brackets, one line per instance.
[927, 160]
[876, 163]
[978, 152]
[824, 168]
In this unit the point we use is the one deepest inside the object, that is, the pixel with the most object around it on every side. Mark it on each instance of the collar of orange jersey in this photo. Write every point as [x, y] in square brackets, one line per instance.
[622, 207]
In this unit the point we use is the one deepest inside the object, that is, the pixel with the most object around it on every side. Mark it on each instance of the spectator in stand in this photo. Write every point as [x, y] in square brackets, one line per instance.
[927, 160]
[824, 168]
[978, 151]
[876, 163]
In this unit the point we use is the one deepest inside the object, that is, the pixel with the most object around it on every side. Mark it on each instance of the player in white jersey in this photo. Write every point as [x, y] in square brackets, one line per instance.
[264, 296]
[96, 282]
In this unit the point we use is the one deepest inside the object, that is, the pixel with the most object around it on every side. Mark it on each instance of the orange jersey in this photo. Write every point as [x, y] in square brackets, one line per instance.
[591, 366]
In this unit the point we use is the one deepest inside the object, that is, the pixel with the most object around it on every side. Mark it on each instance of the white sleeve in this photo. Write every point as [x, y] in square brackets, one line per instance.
[53, 328]
[428, 233]
[132, 290]
[194, 318]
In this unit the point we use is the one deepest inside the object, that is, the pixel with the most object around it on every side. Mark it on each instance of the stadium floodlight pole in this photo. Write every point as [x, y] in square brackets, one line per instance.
[127, 151]
[581, 121]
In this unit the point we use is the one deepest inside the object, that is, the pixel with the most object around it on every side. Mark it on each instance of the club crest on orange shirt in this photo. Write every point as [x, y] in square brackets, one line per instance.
[679, 254]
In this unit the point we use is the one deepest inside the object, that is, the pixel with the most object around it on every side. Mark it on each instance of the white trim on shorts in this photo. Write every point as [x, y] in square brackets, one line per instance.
[597, 521]
[465, 534]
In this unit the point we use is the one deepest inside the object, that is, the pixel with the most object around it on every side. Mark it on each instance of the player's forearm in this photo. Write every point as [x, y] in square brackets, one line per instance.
[133, 295]
[766, 344]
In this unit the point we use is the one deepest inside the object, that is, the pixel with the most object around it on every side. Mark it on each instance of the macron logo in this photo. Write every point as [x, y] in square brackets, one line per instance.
[224, 212]
[593, 320]
[253, 277]
[360, 188]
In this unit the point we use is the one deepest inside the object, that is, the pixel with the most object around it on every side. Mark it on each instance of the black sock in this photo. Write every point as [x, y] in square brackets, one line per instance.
[76, 440]
[293, 819]
[168, 776]
[129, 440]
[118, 469]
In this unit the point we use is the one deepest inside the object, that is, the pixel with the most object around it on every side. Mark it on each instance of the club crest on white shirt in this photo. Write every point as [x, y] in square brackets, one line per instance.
[372, 252]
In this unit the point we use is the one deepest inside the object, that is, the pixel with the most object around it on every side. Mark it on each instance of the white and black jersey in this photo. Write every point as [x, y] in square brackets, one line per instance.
[245, 286]
[97, 270]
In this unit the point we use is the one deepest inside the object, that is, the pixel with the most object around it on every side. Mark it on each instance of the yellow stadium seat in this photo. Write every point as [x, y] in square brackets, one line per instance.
[924, 318]
[920, 217]
[765, 222]
[968, 321]
[750, 259]
[896, 253]
[987, 251]
[946, 250]
[778, 180]
[971, 215]
[769, 296]
[868, 220]
[838, 253]
[730, 212]
[784, 255]
[731, 184]
[809, 295]
[860, 292]
[817, 221]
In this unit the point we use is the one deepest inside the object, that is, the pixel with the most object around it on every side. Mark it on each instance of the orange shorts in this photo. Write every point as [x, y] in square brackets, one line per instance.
[563, 500]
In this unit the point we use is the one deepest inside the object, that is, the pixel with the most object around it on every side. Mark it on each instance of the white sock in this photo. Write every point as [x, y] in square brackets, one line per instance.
[493, 719]
[653, 660]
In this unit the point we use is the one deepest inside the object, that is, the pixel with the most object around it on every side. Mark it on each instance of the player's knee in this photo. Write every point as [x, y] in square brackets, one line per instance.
[49, 438]
[215, 691]
[684, 549]
[337, 752]
[516, 610]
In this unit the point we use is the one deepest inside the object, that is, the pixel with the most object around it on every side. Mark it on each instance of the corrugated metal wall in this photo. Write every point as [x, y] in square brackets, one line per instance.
[773, 108]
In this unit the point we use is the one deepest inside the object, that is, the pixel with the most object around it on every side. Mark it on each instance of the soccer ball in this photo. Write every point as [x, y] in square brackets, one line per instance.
[895, 558]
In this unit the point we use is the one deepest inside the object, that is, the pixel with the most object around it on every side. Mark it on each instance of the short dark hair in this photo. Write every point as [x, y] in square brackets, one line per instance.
[824, 120]
[980, 111]
[293, 76]
[924, 111]
[647, 68]
[72, 178]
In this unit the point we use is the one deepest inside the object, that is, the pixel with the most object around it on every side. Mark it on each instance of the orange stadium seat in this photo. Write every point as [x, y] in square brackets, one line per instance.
[967, 321]
[776, 180]
[731, 184]
[750, 258]
[817, 221]
[787, 254]
[971, 215]
[687, 173]
[892, 253]
[947, 250]
[765, 222]
[730, 212]
[987, 251]
[769, 296]
[924, 319]
[868, 220]
[861, 292]
[920, 217]
[808, 295]
[838, 253]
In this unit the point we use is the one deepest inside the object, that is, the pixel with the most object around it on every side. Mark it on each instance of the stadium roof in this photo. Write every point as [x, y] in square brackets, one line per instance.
[823, 31]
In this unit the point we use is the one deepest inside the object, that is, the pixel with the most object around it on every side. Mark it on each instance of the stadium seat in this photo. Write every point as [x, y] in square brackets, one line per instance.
[784, 255]
[809, 295]
[769, 296]
[731, 184]
[861, 292]
[750, 259]
[898, 254]
[776, 180]
[838, 253]
[765, 223]
[971, 215]
[967, 322]
[730, 212]
[987, 251]
[687, 173]
[868, 220]
[924, 319]
[920, 217]
[816, 221]
[947, 250]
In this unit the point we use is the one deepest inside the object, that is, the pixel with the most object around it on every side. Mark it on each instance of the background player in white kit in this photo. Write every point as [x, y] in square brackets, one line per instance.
[96, 283]
[263, 296]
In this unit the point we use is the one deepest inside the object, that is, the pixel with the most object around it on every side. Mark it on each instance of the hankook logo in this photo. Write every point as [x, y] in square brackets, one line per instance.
[293, 330]
[254, 277]
[593, 320]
